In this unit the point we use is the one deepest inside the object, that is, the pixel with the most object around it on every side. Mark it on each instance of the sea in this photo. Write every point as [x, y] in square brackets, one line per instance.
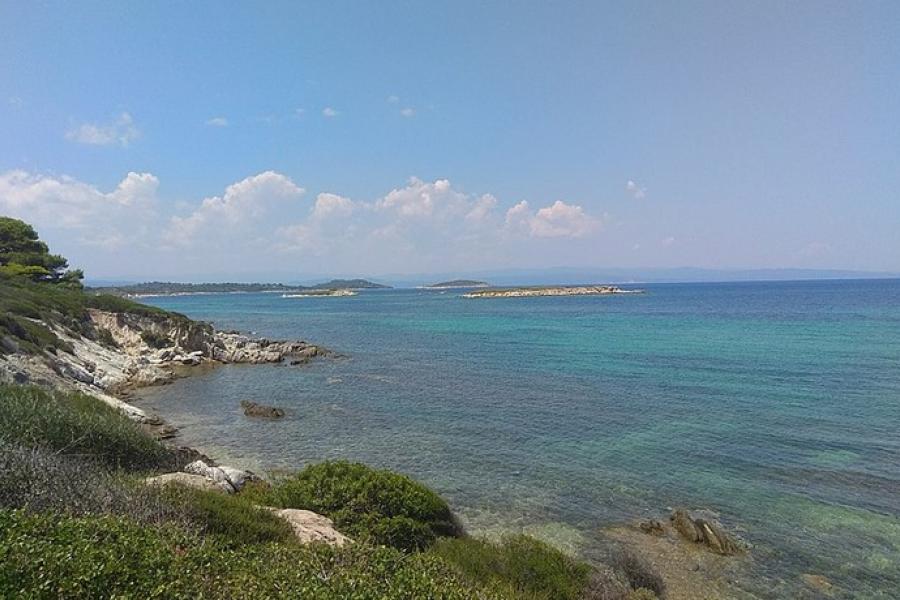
[776, 405]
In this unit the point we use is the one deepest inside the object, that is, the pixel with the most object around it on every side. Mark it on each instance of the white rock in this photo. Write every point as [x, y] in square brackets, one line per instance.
[311, 527]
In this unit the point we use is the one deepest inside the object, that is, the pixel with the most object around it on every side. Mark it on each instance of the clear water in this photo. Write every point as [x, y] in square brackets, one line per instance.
[775, 404]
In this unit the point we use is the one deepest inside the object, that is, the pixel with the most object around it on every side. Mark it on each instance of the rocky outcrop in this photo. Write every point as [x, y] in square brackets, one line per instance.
[311, 527]
[252, 409]
[581, 290]
[126, 359]
[189, 480]
[231, 479]
[704, 531]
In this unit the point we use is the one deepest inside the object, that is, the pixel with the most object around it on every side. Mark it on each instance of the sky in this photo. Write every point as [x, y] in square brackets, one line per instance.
[227, 140]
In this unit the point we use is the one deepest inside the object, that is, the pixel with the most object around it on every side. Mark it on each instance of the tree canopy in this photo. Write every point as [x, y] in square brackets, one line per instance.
[23, 254]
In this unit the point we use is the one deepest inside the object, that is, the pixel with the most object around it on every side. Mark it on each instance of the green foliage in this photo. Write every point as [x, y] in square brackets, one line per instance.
[365, 503]
[22, 254]
[116, 304]
[155, 340]
[234, 519]
[518, 566]
[54, 556]
[76, 424]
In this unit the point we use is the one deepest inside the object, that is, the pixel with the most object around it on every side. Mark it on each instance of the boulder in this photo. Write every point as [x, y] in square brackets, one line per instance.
[652, 526]
[252, 409]
[228, 477]
[704, 531]
[188, 479]
[311, 527]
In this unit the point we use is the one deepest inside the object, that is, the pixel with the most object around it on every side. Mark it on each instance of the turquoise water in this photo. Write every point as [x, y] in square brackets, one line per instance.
[775, 404]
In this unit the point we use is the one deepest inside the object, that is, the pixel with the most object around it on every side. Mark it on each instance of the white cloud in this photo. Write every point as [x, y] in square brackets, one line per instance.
[329, 112]
[241, 204]
[637, 192]
[393, 99]
[265, 220]
[331, 205]
[217, 122]
[408, 112]
[557, 220]
[421, 199]
[482, 208]
[119, 132]
[63, 203]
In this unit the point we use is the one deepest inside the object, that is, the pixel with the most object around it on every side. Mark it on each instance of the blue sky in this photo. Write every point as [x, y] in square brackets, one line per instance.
[222, 139]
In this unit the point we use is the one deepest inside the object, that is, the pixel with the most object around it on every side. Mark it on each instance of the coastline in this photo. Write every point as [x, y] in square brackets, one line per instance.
[114, 374]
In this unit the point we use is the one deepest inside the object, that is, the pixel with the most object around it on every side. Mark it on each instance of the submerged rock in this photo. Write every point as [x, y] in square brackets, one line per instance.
[252, 409]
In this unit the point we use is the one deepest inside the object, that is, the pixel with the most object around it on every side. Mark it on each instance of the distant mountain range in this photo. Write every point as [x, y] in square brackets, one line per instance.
[167, 288]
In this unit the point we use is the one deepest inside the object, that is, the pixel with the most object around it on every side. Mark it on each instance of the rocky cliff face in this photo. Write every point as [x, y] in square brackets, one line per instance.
[129, 350]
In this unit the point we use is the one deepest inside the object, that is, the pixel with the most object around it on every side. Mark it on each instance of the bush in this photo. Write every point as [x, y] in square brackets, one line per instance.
[519, 566]
[56, 556]
[234, 519]
[365, 503]
[40, 480]
[76, 424]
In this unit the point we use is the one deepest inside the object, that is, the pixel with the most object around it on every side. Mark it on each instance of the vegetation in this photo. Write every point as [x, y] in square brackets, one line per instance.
[164, 288]
[76, 424]
[22, 254]
[365, 503]
[51, 555]
[518, 566]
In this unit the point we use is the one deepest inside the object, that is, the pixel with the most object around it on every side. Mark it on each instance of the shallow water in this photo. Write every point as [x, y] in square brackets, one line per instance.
[775, 404]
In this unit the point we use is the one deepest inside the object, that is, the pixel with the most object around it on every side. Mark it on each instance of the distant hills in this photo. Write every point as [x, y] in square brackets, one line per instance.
[458, 284]
[168, 288]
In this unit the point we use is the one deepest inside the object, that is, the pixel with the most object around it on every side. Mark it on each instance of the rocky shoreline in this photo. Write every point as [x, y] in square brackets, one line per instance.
[134, 351]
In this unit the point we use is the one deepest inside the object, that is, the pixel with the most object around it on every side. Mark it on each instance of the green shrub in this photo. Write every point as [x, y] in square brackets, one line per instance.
[519, 566]
[76, 424]
[234, 519]
[365, 503]
[55, 556]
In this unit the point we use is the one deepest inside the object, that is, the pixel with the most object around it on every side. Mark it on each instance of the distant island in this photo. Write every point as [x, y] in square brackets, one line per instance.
[317, 293]
[160, 288]
[523, 292]
[457, 284]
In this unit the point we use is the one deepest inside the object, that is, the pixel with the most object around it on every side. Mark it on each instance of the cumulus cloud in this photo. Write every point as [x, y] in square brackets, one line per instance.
[557, 220]
[329, 112]
[63, 203]
[637, 192]
[217, 122]
[121, 131]
[331, 205]
[266, 219]
[241, 204]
